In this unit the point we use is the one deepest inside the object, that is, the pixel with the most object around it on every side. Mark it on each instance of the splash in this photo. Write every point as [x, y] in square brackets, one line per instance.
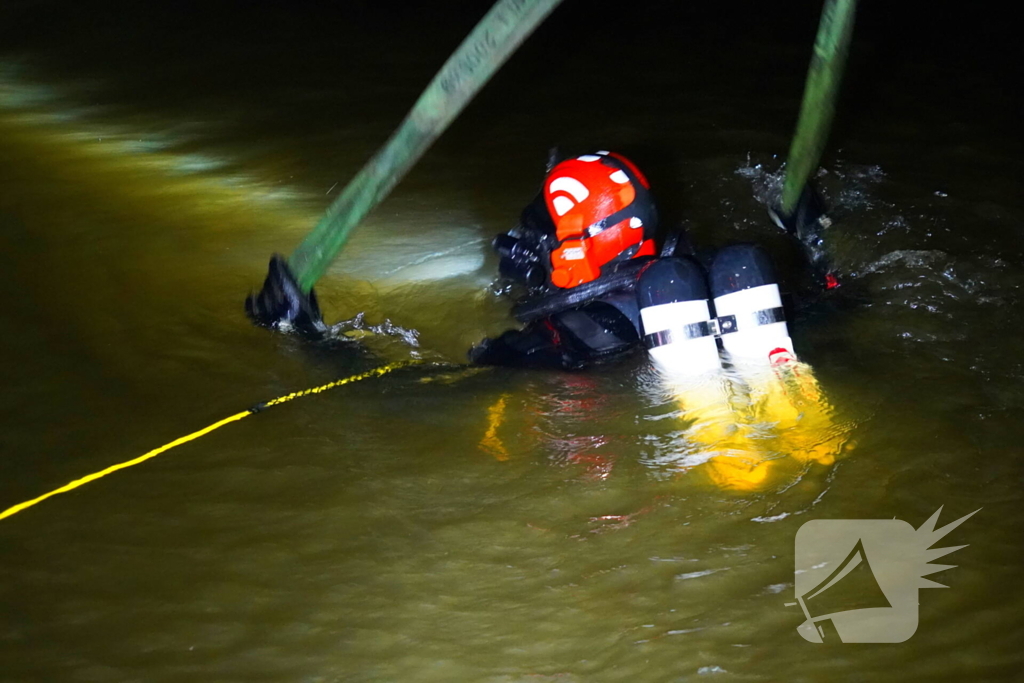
[357, 327]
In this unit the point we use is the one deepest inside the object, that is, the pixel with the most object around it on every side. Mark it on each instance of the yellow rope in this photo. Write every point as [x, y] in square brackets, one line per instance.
[376, 372]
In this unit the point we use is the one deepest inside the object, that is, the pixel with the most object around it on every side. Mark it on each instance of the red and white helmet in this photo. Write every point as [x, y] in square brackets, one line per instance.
[602, 210]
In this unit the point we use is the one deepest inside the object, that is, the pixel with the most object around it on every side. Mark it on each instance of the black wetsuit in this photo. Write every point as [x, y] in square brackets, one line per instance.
[598, 331]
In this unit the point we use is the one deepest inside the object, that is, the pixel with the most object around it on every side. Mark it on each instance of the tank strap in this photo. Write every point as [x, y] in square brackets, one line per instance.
[705, 328]
[767, 316]
[716, 327]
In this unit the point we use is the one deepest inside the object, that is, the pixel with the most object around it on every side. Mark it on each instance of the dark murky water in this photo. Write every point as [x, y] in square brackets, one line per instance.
[500, 526]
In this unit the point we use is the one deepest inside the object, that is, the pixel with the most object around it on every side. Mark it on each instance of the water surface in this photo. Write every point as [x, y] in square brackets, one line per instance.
[502, 525]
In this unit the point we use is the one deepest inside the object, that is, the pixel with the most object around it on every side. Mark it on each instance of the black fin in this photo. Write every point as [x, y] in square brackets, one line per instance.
[806, 223]
[281, 305]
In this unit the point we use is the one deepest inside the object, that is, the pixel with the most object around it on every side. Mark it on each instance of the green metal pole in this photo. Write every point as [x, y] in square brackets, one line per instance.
[491, 42]
[816, 112]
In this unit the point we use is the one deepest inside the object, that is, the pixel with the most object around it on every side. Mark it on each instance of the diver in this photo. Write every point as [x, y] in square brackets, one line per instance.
[597, 286]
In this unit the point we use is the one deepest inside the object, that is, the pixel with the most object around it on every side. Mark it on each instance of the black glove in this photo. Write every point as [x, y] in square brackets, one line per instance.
[281, 305]
[532, 348]
[807, 223]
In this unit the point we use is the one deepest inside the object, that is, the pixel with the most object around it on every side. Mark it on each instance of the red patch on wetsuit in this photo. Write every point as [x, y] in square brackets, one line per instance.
[556, 337]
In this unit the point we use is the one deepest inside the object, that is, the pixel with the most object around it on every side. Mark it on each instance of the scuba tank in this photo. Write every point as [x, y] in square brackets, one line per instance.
[677, 323]
[751, 320]
[679, 327]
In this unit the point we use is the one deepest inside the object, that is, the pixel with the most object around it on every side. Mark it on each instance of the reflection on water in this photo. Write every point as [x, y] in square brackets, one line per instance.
[486, 525]
[751, 428]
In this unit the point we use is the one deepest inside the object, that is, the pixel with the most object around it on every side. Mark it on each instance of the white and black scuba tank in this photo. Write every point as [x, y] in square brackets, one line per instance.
[750, 318]
[678, 326]
[682, 319]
